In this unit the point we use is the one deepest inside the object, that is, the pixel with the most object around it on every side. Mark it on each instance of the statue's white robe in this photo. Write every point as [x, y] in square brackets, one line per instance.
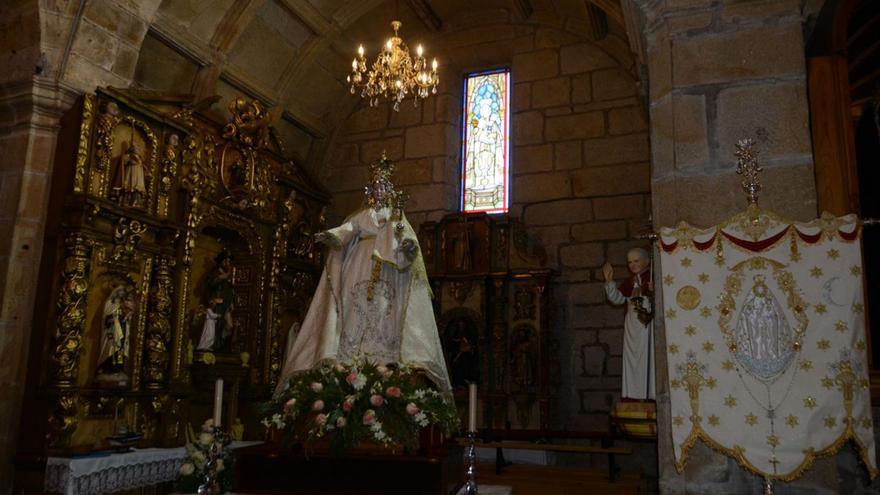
[395, 325]
[638, 349]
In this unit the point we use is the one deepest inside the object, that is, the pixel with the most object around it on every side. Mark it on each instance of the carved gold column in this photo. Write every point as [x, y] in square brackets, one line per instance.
[71, 308]
[159, 325]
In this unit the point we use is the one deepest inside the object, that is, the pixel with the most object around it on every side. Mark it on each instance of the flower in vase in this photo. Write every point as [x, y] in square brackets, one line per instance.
[206, 438]
[340, 422]
[369, 417]
[356, 380]
[187, 469]
[382, 370]
[412, 409]
[421, 419]
[316, 387]
[208, 425]
[318, 405]
[348, 403]
[393, 392]
[377, 400]
[199, 459]
[321, 420]
[289, 404]
[339, 368]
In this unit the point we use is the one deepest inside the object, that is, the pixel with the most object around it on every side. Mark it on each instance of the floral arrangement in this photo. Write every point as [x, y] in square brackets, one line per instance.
[360, 403]
[192, 471]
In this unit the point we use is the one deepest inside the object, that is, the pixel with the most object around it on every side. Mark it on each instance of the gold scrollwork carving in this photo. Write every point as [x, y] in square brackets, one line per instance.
[159, 325]
[63, 420]
[126, 237]
[167, 173]
[82, 152]
[71, 309]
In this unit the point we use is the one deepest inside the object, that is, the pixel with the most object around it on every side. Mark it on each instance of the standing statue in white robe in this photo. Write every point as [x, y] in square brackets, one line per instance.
[373, 301]
[638, 343]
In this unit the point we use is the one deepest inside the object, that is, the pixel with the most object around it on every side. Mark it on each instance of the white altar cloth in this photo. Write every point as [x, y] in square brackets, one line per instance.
[490, 490]
[108, 473]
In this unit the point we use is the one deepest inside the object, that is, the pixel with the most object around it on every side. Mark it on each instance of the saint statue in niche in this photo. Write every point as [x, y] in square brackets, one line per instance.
[117, 318]
[218, 309]
[373, 300]
[637, 292]
[461, 341]
[130, 185]
[524, 352]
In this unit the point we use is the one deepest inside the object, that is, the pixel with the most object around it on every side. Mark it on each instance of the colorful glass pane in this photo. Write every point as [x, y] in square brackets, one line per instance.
[485, 142]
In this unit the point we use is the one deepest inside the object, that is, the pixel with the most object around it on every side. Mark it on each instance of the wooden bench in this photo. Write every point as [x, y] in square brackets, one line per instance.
[540, 440]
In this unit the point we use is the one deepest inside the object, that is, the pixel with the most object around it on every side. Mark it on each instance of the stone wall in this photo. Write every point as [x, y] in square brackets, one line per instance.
[580, 177]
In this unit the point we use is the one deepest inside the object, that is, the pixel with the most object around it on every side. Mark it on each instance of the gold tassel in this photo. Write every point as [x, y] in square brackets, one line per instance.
[374, 276]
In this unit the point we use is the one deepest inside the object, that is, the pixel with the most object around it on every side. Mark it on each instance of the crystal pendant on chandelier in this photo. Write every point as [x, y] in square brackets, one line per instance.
[395, 73]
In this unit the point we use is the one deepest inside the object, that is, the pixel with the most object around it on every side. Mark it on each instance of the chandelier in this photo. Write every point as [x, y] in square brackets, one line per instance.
[395, 74]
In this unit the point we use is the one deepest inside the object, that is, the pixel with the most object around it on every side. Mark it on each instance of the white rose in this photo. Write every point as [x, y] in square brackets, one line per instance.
[187, 469]
[206, 438]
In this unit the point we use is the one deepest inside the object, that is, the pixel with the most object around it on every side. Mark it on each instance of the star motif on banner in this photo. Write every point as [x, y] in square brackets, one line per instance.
[809, 402]
[864, 383]
[816, 272]
[858, 307]
[690, 330]
[678, 421]
[751, 419]
[670, 313]
[866, 422]
[833, 254]
[703, 278]
[805, 364]
[823, 344]
[714, 420]
[706, 312]
[708, 347]
[711, 383]
[730, 401]
[830, 422]
[772, 440]
[856, 270]
[821, 309]
[668, 279]
[828, 383]
[791, 420]
[860, 345]
[673, 348]
[727, 365]
[841, 326]
[686, 262]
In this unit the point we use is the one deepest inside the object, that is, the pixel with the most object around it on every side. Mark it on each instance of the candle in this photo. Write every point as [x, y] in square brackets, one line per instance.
[472, 407]
[218, 402]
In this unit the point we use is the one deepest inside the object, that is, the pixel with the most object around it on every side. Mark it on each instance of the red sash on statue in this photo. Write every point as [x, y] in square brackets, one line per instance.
[626, 287]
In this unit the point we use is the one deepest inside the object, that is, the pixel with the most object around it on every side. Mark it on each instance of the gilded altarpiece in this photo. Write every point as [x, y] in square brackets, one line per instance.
[150, 200]
[493, 308]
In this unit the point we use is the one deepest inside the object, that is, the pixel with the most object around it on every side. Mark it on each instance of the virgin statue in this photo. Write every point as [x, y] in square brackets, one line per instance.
[118, 311]
[373, 301]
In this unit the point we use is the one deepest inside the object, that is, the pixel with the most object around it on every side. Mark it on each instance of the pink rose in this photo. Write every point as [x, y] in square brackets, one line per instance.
[382, 369]
[347, 404]
[289, 404]
[318, 405]
[321, 419]
[412, 409]
[393, 392]
[377, 400]
[351, 378]
[340, 422]
[369, 417]
[339, 368]
[316, 387]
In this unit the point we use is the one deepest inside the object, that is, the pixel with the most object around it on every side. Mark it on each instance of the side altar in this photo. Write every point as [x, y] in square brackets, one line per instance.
[178, 250]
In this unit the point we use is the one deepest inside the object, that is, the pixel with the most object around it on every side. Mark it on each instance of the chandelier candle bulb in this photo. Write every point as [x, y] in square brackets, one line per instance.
[218, 401]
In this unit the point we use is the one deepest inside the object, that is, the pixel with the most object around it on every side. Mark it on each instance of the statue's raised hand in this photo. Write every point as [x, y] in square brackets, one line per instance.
[608, 272]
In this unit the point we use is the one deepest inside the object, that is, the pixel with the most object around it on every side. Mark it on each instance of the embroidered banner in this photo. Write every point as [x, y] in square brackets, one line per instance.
[765, 329]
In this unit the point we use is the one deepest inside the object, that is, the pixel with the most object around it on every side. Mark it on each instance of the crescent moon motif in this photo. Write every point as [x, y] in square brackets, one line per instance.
[828, 292]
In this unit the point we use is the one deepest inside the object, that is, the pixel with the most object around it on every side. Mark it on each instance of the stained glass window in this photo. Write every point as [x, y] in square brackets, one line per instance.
[485, 136]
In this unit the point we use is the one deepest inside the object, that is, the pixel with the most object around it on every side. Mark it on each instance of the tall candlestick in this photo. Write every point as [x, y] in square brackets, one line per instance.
[472, 407]
[218, 402]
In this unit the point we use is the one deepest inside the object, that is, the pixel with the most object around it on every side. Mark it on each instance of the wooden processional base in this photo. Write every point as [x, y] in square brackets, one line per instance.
[269, 469]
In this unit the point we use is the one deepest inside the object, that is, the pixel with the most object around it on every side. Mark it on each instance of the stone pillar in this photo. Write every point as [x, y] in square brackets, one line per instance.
[29, 122]
[719, 71]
